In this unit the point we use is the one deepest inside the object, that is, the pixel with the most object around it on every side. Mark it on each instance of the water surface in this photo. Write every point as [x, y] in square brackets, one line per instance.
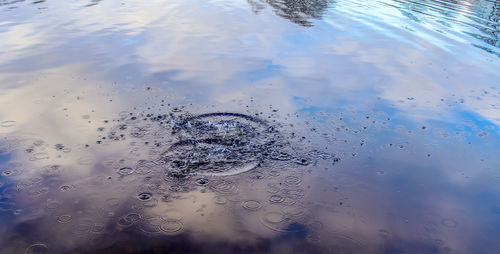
[249, 126]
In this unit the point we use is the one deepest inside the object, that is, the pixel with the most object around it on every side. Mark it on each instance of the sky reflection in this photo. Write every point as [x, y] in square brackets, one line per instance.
[389, 108]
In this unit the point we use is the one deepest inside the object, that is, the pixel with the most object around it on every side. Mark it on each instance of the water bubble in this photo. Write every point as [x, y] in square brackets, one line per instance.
[273, 188]
[129, 219]
[144, 167]
[293, 193]
[292, 180]
[138, 132]
[302, 161]
[37, 248]
[151, 225]
[125, 171]
[83, 226]
[65, 218]
[52, 204]
[220, 200]
[252, 205]
[281, 156]
[59, 146]
[171, 226]
[275, 199]
[273, 217]
[123, 222]
[66, 187]
[274, 173]
[224, 187]
[277, 221]
[145, 196]
[11, 172]
[133, 217]
[201, 181]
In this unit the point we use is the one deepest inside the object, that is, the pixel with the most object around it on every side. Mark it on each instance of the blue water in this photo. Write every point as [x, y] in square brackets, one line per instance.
[385, 115]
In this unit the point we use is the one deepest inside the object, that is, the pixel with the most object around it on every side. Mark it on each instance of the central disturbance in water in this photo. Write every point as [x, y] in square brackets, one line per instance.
[219, 144]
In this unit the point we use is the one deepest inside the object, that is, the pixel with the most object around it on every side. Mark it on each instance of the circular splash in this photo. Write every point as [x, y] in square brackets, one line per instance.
[220, 200]
[37, 248]
[275, 199]
[145, 196]
[218, 144]
[201, 181]
[278, 221]
[171, 226]
[125, 171]
[65, 218]
[251, 205]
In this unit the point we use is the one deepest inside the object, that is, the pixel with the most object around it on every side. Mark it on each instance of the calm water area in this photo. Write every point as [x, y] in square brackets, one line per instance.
[249, 126]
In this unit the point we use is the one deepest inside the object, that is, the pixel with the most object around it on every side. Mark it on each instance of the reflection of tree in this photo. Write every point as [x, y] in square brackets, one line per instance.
[297, 11]
[488, 19]
[481, 15]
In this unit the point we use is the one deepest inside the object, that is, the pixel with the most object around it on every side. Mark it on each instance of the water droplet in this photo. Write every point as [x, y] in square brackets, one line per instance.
[281, 156]
[220, 200]
[252, 205]
[302, 161]
[224, 187]
[201, 181]
[292, 180]
[125, 171]
[66, 187]
[276, 199]
[274, 217]
[65, 218]
[52, 204]
[145, 196]
[171, 226]
[274, 173]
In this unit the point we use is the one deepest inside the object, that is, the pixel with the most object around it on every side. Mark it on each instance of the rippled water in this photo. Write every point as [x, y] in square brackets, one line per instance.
[256, 126]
